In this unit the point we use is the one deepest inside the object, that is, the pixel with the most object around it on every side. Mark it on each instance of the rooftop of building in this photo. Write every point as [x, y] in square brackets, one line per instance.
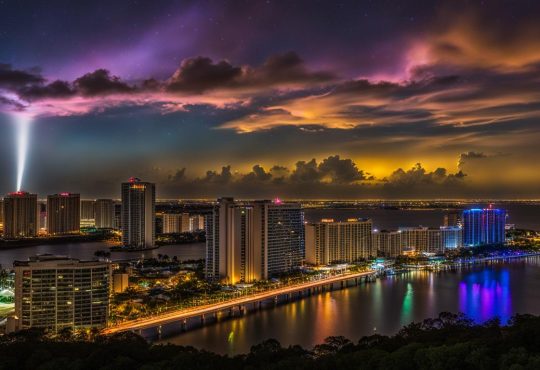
[53, 259]
[347, 221]
[20, 193]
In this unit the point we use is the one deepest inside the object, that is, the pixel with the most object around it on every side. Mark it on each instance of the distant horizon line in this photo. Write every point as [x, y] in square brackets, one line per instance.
[326, 200]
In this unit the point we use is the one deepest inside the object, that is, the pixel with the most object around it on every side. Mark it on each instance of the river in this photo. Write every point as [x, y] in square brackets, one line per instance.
[85, 251]
[482, 292]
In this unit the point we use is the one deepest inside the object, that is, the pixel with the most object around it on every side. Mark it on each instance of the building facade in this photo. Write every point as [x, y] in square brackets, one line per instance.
[54, 293]
[253, 241]
[387, 243]
[452, 218]
[117, 215]
[138, 213]
[63, 214]
[20, 215]
[1, 215]
[337, 242]
[430, 240]
[88, 213]
[483, 226]
[452, 237]
[196, 222]
[175, 223]
[104, 214]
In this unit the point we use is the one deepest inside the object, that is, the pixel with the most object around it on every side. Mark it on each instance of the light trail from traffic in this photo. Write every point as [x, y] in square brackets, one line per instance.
[184, 314]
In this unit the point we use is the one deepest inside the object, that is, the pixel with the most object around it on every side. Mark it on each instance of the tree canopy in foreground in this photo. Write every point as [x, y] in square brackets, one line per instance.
[449, 341]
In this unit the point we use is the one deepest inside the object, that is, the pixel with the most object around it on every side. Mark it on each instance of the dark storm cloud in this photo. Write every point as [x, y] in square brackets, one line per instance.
[101, 82]
[179, 176]
[258, 174]
[219, 178]
[418, 176]
[284, 68]
[56, 89]
[464, 157]
[15, 79]
[201, 74]
[310, 179]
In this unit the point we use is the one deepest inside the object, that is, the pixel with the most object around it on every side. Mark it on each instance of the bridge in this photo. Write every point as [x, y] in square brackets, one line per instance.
[238, 304]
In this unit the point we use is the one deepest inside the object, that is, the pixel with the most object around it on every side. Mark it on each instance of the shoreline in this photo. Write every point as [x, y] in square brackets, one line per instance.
[53, 241]
[467, 262]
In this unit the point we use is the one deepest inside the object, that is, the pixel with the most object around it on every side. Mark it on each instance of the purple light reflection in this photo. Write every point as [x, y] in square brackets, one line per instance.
[486, 295]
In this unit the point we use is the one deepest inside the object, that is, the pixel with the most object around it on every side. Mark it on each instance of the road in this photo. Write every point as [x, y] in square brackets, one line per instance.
[179, 315]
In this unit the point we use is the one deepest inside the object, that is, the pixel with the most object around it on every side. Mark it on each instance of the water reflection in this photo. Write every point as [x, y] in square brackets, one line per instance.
[486, 294]
[384, 307]
[406, 307]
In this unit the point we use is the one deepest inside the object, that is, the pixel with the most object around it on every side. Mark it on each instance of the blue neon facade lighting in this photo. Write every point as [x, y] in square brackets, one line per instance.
[483, 226]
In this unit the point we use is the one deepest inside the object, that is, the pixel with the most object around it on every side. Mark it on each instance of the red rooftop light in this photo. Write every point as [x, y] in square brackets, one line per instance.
[18, 193]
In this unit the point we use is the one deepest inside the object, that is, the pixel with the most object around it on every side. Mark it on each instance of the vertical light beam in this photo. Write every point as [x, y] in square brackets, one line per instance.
[22, 123]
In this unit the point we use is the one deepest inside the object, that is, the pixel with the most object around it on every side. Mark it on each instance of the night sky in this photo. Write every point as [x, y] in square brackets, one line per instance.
[298, 99]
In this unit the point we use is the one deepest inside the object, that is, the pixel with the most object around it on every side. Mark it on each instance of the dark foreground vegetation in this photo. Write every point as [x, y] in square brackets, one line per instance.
[447, 342]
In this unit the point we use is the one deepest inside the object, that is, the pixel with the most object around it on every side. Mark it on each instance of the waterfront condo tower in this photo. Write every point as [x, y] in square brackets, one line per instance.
[104, 213]
[20, 215]
[138, 213]
[386, 243]
[253, 240]
[54, 293]
[63, 214]
[175, 223]
[88, 213]
[334, 242]
[483, 226]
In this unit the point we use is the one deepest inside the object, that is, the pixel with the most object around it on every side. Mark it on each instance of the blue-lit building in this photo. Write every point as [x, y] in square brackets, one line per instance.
[483, 226]
[451, 237]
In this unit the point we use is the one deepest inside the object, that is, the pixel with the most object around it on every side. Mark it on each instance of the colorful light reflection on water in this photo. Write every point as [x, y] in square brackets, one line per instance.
[486, 294]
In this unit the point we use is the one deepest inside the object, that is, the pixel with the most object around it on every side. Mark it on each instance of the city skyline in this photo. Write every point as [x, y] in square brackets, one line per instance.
[256, 99]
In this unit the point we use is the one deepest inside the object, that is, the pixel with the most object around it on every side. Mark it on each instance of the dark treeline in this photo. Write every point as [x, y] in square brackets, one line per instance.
[447, 342]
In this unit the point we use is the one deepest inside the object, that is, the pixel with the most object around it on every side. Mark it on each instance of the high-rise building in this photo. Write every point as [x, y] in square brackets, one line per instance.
[88, 213]
[224, 242]
[175, 223]
[253, 241]
[452, 218]
[420, 239]
[196, 222]
[387, 243]
[483, 226]
[138, 213]
[42, 216]
[452, 237]
[1, 214]
[54, 293]
[63, 214]
[281, 237]
[104, 211]
[20, 215]
[117, 222]
[333, 242]
[430, 240]
[414, 239]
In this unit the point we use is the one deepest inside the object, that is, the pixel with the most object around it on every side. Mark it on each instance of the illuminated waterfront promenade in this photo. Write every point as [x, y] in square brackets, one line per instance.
[212, 310]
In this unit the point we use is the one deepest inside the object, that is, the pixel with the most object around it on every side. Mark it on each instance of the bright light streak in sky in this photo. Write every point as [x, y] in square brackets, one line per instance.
[22, 122]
